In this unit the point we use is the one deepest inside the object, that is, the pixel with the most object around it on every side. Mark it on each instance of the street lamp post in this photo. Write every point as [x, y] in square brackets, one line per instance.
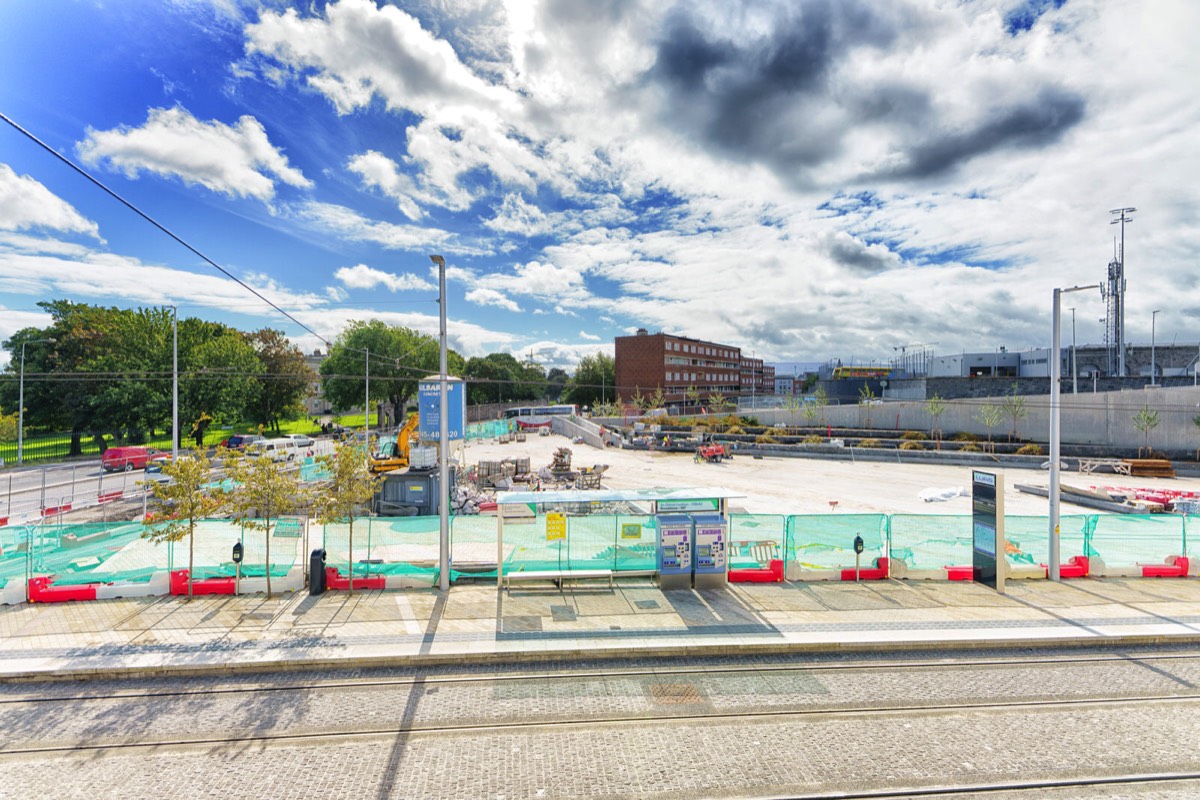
[174, 384]
[443, 436]
[367, 399]
[1153, 366]
[1055, 361]
[21, 400]
[1074, 365]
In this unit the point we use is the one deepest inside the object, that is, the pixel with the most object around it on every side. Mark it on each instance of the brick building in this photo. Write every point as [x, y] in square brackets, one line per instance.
[646, 362]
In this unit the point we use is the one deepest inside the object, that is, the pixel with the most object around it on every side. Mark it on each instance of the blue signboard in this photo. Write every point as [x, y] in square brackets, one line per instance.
[429, 406]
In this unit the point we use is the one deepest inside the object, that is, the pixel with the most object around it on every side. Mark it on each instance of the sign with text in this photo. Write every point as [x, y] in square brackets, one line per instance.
[429, 400]
[987, 528]
[556, 527]
[676, 506]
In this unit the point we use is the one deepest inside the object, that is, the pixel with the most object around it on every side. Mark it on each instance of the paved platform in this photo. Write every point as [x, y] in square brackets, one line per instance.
[540, 623]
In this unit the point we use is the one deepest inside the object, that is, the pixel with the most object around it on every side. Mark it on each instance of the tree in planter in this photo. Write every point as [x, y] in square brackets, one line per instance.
[990, 415]
[693, 396]
[639, 399]
[183, 501]
[821, 399]
[264, 490]
[793, 403]
[936, 406]
[350, 486]
[1145, 421]
[656, 400]
[717, 402]
[866, 399]
[1014, 407]
[810, 412]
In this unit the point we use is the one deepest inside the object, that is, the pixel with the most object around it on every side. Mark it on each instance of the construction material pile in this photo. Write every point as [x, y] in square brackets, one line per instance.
[467, 500]
[503, 474]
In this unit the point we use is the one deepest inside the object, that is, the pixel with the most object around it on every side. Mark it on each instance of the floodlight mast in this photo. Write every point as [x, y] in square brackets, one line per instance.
[1116, 289]
[443, 435]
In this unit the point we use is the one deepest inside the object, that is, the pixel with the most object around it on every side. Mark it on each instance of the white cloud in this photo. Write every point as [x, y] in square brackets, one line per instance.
[352, 226]
[361, 276]
[26, 204]
[490, 297]
[235, 160]
[514, 215]
[13, 320]
[591, 337]
[380, 172]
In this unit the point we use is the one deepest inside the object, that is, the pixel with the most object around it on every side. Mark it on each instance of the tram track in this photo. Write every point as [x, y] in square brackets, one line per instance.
[614, 721]
[1000, 787]
[1070, 659]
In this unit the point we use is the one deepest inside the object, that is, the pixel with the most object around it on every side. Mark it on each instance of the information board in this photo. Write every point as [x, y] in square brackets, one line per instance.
[429, 401]
[987, 528]
[556, 526]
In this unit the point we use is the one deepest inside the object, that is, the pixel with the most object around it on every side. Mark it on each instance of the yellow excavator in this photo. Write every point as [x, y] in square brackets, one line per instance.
[393, 453]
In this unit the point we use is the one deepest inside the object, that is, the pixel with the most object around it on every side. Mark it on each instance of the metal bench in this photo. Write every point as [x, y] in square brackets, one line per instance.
[558, 576]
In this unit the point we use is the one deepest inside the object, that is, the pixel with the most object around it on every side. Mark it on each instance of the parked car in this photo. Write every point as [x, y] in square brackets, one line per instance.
[239, 440]
[301, 440]
[116, 459]
[275, 449]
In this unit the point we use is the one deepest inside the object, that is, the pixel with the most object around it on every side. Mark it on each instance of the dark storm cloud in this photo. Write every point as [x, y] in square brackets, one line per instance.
[1040, 121]
[860, 257]
[784, 99]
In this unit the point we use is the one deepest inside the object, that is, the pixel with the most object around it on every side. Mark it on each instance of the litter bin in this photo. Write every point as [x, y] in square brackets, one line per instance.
[316, 572]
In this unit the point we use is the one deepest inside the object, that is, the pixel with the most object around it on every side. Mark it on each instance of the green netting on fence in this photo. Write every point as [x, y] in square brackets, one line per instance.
[118, 553]
[489, 430]
[933, 541]
[1128, 539]
[755, 539]
[826, 541]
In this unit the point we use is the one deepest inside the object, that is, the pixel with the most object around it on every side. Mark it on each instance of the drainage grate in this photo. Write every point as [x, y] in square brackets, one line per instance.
[675, 694]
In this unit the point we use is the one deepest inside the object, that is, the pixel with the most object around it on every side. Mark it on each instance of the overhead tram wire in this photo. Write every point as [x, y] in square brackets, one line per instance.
[156, 224]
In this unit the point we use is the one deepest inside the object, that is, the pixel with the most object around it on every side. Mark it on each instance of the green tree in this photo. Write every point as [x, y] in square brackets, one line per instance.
[1014, 406]
[693, 396]
[499, 378]
[656, 400]
[718, 402]
[594, 381]
[529, 381]
[221, 376]
[8, 427]
[793, 403]
[989, 415]
[1145, 421]
[556, 383]
[183, 501]
[866, 399]
[936, 406]
[263, 490]
[399, 359]
[349, 488]
[821, 400]
[283, 383]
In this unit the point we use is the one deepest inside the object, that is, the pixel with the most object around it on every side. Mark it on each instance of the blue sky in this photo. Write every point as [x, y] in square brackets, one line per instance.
[806, 180]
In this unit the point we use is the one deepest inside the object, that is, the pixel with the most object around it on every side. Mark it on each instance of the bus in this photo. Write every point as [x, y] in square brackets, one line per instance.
[541, 411]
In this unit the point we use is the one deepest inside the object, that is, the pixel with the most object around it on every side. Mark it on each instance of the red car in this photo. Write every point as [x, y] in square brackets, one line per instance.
[116, 459]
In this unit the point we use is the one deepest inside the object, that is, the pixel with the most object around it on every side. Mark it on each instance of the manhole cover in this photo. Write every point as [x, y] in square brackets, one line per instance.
[675, 694]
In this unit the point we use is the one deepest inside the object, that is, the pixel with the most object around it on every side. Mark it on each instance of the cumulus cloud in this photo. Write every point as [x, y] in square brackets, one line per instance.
[235, 160]
[26, 204]
[490, 297]
[352, 226]
[361, 276]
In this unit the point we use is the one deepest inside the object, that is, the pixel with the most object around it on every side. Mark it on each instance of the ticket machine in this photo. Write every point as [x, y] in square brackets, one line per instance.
[711, 535]
[674, 551]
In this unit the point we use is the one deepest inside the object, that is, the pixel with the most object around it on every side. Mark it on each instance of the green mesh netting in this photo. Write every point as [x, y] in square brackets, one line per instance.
[1129, 539]
[490, 430]
[756, 539]
[826, 541]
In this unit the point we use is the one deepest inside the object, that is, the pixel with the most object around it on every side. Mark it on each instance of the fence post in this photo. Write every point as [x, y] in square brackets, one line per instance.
[42, 504]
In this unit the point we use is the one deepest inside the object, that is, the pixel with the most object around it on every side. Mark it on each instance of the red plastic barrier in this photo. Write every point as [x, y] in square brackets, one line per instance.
[179, 584]
[40, 591]
[3, 521]
[108, 497]
[51, 511]
[334, 580]
[877, 573]
[1076, 567]
[772, 573]
[488, 505]
[960, 573]
[1178, 568]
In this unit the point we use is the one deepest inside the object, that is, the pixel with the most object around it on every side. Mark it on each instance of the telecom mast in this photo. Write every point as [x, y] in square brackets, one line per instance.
[1114, 296]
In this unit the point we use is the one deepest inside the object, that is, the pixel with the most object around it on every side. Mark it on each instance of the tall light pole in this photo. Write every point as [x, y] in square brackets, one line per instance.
[1055, 361]
[1118, 285]
[1074, 366]
[367, 399]
[443, 435]
[21, 400]
[174, 383]
[1153, 369]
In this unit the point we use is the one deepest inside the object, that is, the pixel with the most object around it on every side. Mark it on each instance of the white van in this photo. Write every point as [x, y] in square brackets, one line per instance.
[275, 449]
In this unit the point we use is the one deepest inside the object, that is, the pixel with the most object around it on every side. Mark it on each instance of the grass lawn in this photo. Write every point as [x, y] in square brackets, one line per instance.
[55, 446]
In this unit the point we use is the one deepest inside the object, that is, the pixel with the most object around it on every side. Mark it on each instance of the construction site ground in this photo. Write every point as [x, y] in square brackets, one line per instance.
[781, 485]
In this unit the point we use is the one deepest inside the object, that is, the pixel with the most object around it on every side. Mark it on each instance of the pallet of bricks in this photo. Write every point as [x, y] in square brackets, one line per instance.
[1150, 468]
[506, 471]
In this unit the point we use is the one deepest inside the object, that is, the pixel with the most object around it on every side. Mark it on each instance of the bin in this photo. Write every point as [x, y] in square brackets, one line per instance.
[316, 572]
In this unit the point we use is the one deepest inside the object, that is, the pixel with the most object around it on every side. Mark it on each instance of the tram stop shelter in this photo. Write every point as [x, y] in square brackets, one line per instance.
[590, 533]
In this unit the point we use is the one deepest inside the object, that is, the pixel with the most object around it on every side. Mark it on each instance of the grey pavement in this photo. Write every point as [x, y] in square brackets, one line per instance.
[477, 624]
